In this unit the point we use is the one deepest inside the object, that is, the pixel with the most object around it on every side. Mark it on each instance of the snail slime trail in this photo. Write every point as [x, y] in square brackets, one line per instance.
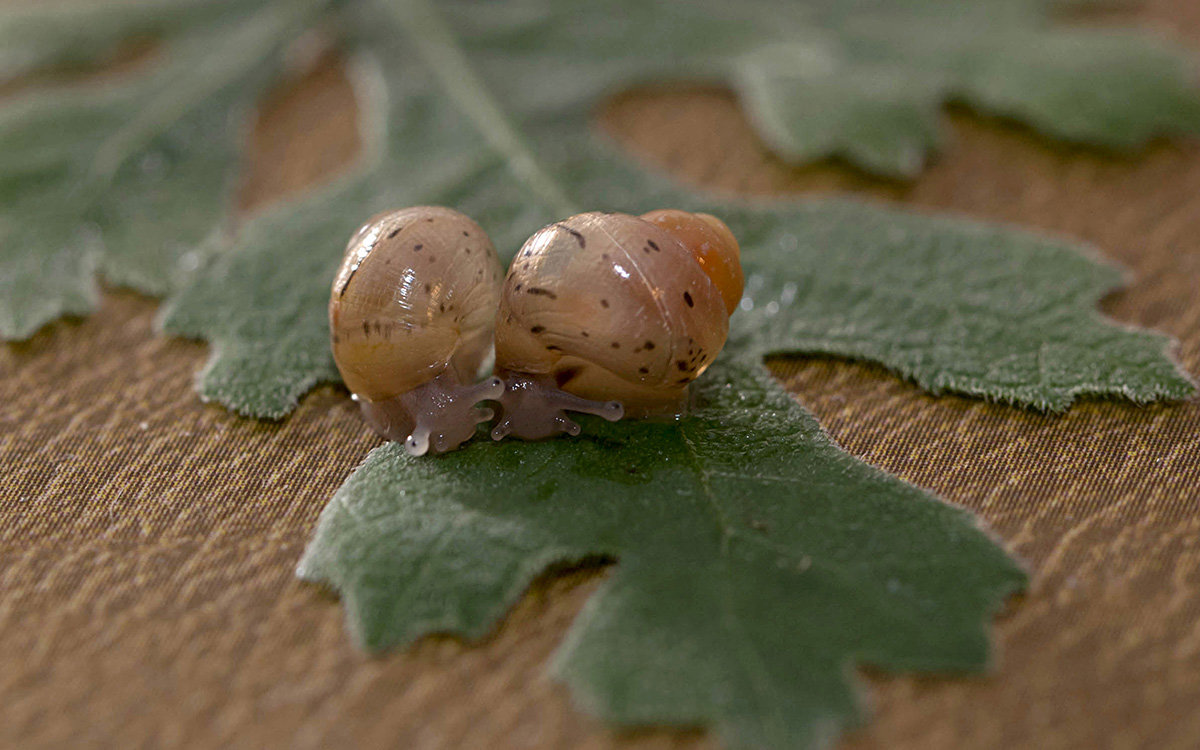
[411, 317]
[613, 315]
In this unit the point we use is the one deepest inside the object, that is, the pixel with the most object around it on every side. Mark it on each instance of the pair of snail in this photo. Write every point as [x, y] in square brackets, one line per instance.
[601, 313]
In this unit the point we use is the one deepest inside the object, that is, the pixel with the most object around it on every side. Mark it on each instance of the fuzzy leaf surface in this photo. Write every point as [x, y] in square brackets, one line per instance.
[956, 307]
[756, 562]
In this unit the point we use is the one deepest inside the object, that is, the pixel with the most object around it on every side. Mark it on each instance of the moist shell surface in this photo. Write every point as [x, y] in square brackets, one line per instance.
[614, 292]
[414, 296]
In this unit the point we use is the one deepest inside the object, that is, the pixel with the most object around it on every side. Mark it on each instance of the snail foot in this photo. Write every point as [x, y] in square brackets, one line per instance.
[531, 409]
[437, 416]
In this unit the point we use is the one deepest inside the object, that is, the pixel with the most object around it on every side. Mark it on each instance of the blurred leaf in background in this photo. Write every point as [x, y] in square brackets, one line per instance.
[134, 177]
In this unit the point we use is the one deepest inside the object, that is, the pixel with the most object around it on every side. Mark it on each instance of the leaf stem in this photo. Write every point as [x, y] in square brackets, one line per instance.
[447, 62]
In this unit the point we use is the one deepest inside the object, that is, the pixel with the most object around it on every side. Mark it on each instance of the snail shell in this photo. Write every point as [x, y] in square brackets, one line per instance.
[613, 307]
[411, 316]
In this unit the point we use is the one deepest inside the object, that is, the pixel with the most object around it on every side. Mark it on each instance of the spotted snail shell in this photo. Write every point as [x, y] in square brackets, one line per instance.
[411, 317]
[612, 307]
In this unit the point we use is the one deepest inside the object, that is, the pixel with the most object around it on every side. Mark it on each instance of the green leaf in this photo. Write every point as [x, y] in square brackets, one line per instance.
[874, 116]
[756, 562]
[132, 177]
[1102, 88]
[1009, 316]
[955, 306]
[63, 34]
[270, 345]
[869, 88]
[145, 202]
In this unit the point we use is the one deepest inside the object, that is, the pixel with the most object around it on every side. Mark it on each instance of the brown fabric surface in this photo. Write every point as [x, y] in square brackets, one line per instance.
[147, 541]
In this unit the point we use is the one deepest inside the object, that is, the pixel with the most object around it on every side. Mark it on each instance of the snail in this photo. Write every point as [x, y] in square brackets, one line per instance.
[612, 314]
[411, 316]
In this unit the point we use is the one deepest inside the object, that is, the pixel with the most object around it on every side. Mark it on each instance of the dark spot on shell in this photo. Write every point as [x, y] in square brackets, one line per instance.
[683, 380]
[616, 345]
[394, 232]
[604, 256]
[644, 370]
[366, 328]
[553, 348]
[466, 233]
[429, 219]
[432, 258]
[578, 237]
[604, 303]
[649, 345]
[585, 334]
[537, 290]
[687, 297]
[441, 308]
[428, 288]
[417, 248]
[654, 245]
[336, 340]
[683, 366]
[537, 329]
[518, 288]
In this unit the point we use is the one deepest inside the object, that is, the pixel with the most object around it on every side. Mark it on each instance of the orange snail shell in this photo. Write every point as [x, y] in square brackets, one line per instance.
[411, 316]
[610, 306]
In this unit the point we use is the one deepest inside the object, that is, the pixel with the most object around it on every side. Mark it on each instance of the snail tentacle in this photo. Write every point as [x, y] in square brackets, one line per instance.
[411, 319]
[533, 409]
[437, 416]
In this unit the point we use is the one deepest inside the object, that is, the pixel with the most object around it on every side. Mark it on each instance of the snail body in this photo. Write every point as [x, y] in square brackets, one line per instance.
[603, 310]
[411, 317]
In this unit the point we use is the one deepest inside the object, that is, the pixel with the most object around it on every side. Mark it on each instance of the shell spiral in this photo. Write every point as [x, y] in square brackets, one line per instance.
[414, 297]
[411, 316]
[611, 306]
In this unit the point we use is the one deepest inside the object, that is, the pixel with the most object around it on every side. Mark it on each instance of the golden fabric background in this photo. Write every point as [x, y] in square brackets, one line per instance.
[147, 541]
